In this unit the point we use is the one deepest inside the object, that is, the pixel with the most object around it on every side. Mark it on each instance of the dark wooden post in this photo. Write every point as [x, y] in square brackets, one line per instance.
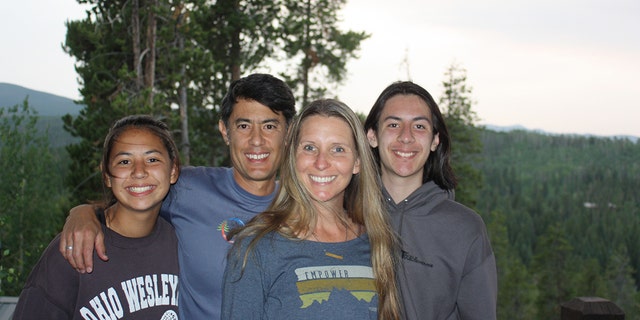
[590, 308]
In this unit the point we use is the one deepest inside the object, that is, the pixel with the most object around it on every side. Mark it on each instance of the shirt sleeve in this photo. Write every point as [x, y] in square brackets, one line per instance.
[244, 290]
[477, 298]
[50, 290]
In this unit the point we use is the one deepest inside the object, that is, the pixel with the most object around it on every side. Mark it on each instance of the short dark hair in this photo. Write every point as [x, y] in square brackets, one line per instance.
[437, 168]
[263, 88]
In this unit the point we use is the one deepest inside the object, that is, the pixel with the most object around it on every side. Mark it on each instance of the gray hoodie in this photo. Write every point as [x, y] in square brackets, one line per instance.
[448, 269]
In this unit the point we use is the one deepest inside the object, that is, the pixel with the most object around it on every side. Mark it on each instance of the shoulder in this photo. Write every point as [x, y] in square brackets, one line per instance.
[462, 216]
[268, 247]
[202, 179]
[52, 263]
[190, 172]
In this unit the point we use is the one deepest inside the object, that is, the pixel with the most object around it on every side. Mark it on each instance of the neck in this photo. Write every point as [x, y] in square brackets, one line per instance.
[130, 224]
[400, 187]
[256, 187]
[332, 228]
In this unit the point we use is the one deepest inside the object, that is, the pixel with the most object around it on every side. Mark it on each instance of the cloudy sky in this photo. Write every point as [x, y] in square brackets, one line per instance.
[563, 66]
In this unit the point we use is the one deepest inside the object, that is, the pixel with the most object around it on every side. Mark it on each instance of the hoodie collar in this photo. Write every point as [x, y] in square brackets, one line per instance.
[426, 198]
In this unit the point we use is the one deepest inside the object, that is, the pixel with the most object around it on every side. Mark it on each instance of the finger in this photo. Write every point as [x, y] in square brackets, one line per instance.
[101, 249]
[78, 254]
[66, 248]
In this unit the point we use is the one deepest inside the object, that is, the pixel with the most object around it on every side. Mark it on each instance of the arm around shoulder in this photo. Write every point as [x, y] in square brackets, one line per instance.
[80, 235]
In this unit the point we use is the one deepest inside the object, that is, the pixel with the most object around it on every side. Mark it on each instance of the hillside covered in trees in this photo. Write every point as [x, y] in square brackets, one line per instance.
[563, 213]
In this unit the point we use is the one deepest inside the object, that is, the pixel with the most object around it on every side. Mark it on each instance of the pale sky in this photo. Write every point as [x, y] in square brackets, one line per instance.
[562, 66]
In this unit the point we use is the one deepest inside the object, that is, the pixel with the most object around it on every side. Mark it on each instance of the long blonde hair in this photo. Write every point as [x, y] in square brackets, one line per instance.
[292, 214]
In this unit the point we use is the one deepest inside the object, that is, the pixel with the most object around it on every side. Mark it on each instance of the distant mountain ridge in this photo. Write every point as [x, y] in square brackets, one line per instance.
[50, 108]
[46, 104]
[50, 105]
[522, 128]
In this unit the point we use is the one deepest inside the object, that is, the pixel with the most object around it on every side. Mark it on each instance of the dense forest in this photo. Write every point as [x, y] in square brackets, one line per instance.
[563, 213]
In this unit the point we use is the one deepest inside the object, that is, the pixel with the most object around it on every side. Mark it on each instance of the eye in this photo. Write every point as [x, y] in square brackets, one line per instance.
[124, 162]
[270, 126]
[339, 149]
[308, 147]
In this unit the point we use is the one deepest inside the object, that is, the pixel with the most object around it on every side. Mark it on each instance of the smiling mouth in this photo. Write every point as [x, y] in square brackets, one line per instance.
[322, 179]
[253, 156]
[140, 189]
[405, 154]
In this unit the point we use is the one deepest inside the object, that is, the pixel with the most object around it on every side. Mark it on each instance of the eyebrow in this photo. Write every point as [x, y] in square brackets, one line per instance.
[124, 153]
[270, 120]
[413, 119]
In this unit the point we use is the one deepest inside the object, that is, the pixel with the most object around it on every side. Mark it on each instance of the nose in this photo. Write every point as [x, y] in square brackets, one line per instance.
[406, 136]
[321, 162]
[139, 170]
[255, 137]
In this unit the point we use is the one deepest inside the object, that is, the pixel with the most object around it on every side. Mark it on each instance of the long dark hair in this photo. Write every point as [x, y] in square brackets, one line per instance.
[437, 168]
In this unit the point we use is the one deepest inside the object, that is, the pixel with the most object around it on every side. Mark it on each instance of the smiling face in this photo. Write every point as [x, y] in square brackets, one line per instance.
[326, 158]
[141, 171]
[405, 138]
[255, 135]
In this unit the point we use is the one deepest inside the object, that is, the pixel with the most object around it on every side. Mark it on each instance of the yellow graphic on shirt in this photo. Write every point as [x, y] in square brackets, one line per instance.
[315, 284]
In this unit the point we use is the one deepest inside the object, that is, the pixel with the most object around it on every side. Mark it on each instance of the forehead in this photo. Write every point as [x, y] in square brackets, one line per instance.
[326, 128]
[405, 107]
[136, 138]
[253, 110]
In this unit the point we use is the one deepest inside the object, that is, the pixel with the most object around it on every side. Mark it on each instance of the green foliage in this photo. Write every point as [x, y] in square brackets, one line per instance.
[517, 293]
[456, 104]
[569, 205]
[315, 48]
[552, 269]
[31, 193]
[621, 287]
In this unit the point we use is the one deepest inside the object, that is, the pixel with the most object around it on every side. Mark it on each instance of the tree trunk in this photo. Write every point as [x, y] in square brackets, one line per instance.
[150, 71]
[182, 104]
[135, 35]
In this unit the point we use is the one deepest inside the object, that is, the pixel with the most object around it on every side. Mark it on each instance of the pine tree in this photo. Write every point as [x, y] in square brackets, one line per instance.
[315, 47]
[466, 145]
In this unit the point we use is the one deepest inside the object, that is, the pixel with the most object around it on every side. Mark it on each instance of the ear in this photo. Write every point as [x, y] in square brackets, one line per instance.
[356, 166]
[373, 140]
[435, 142]
[174, 174]
[105, 177]
[107, 180]
[223, 131]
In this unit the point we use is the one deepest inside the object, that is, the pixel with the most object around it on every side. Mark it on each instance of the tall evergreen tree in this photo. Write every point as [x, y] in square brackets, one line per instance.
[315, 47]
[552, 270]
[517, 293]
[115, 47]
[466, 146]
[621, 286]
